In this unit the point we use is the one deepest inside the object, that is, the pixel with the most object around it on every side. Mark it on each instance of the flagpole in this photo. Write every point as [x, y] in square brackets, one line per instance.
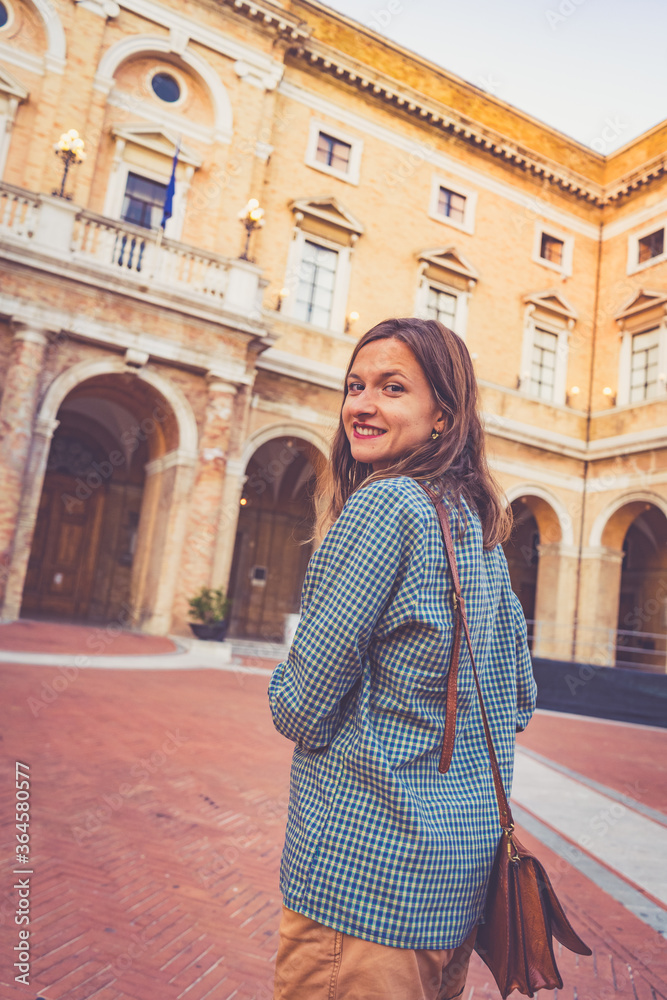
[166, 208]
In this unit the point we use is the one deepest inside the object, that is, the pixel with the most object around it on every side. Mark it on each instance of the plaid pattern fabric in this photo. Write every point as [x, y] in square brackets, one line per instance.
[379, 844]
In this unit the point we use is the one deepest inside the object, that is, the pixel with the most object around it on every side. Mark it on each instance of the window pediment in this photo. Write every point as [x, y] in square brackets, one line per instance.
[445, 263]
[11, 87]
[554, 303]
[638, 309]
[326, 216]
[158, 140]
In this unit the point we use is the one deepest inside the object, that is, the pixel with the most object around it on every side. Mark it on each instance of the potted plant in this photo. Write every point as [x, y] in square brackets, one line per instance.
[210, 609]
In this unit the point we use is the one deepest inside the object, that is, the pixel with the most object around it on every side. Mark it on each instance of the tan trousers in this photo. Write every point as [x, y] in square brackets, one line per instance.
[317, 963]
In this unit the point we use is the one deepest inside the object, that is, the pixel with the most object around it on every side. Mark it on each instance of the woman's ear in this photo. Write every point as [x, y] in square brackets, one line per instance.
[441, 422]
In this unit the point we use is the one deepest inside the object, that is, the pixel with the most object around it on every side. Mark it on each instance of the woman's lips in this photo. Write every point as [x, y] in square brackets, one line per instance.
[375, 433]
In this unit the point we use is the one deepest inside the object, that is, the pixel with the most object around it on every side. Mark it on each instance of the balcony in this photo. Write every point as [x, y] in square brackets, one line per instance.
[52, 233]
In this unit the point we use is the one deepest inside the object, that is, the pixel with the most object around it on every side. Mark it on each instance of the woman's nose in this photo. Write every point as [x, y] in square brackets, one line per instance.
[362, 402]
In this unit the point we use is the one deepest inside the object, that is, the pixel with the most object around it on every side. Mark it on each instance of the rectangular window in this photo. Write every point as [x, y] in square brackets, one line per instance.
[551, 249]
[451, 204]
[644, 365]
[333, 152]
[651, 246]
[317, 278]
[543, 364]
[441, 305]
[143, 203]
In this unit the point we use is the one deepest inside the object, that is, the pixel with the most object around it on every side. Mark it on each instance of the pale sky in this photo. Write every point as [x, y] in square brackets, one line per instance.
[594, 69]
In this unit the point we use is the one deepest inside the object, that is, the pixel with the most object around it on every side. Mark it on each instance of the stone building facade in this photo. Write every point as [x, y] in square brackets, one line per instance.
[166, 403]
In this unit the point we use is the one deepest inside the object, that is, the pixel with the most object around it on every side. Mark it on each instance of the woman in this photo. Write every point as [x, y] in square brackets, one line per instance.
[386, 860]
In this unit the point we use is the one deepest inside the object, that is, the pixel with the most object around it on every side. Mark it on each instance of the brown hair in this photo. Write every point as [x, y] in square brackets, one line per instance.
[456, 461]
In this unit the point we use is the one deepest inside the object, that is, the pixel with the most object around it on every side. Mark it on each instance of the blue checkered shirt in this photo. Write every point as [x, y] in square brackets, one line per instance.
[379, 843]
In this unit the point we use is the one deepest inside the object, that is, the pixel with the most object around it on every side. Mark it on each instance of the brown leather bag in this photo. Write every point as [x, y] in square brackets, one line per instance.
[522, 911]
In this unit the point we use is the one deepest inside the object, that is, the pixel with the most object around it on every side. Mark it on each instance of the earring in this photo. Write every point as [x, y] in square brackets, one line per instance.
[435, 434]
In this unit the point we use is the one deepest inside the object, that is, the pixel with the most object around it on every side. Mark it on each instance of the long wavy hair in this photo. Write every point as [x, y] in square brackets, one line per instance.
[455, 463]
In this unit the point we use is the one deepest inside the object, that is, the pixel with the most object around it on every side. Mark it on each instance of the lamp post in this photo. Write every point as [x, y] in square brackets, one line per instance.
[69, 149]
[252, 218]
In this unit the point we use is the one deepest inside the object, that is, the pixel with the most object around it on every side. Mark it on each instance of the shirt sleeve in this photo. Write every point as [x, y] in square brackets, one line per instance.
[366, 556]
[526, 688]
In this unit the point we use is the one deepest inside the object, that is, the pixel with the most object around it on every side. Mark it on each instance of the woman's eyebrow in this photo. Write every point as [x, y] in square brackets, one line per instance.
[383, 375]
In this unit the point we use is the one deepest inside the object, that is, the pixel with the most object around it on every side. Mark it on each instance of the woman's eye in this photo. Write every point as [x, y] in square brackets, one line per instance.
[353, 386]
[394, 385]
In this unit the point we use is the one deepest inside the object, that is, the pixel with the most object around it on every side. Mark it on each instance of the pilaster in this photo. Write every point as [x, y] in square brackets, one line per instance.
[597, 614]
[555, 600]
[207, 491]
[17, 414]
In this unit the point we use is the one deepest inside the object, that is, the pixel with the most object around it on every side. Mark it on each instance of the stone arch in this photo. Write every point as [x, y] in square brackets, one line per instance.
[273, 534]
[171, 459]
[146, 44]
[613, 521]
[630, 539]
[284, 429]
[55, 56]
[542, 561]
[552, 516]
[64, 383]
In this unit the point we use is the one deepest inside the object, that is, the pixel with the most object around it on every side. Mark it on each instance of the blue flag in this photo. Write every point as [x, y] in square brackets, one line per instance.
[171, 187]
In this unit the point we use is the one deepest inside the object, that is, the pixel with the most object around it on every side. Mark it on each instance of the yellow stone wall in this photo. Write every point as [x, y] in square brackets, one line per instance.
[548, 452]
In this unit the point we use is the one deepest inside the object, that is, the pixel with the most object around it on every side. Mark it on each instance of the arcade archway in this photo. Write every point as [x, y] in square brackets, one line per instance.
[272, 550]
[639, 530]
[540, 568]
[105, 533]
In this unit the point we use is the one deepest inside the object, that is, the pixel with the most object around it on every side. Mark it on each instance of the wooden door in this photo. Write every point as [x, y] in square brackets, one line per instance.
[64, 550]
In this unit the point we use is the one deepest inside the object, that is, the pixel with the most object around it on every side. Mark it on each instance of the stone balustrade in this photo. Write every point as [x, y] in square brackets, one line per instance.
[115, 249]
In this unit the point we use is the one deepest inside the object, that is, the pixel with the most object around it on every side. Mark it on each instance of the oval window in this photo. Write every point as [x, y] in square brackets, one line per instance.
[4, 15]
[166, 87]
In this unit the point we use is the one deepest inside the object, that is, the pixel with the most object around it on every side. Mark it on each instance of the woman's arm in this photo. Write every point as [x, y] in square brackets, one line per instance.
[368, 553]
[526, 688]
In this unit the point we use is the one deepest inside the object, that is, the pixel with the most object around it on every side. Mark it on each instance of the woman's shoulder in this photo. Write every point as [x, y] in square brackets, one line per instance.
[395, 500]
[390, 492]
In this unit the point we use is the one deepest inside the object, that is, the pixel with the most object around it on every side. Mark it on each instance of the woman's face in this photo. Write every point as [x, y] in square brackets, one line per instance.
[390, 408]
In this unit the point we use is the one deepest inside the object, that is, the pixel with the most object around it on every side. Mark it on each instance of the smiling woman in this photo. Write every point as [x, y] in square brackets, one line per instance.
[410, 407]
[387, 859]
[386, 413]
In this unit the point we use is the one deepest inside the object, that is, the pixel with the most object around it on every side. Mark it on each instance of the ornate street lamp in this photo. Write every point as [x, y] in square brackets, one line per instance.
[252, 218]
[69, 149]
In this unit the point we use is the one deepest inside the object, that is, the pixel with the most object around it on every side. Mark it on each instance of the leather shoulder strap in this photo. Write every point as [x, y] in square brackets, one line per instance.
[504, 810]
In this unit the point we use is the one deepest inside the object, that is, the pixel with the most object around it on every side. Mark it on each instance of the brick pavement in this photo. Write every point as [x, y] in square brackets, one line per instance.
[158, 809]
[103, 640]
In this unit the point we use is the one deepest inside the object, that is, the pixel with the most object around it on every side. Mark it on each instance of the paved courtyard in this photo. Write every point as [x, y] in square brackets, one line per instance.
[158, 806]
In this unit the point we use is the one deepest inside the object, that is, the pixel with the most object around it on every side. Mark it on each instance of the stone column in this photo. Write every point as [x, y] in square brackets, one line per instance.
[207, 491]
[17, 414]
[26, 517]
[228, 519]
[178, 471]
[597, 616]
[235, 478]
[555, 600]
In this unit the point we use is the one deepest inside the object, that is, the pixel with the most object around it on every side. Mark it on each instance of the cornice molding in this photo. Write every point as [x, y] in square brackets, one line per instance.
[120, 340]
[635, 179]
[405, 99]
[270, 16]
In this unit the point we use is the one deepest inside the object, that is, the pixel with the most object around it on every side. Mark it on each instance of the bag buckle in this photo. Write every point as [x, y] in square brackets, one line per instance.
[511, 846]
